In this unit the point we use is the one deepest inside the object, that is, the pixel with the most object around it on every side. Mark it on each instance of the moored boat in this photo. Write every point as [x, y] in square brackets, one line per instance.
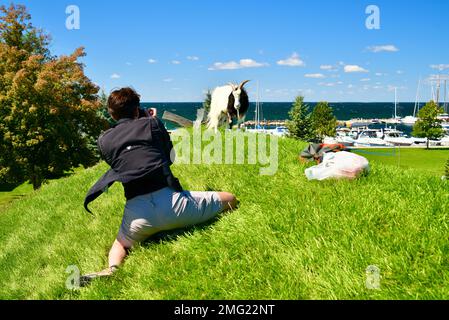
[369, 138]
[398, 138]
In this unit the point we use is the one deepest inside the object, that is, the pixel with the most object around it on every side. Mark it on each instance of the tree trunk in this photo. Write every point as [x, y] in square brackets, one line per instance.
[428, 142]
[35, 181]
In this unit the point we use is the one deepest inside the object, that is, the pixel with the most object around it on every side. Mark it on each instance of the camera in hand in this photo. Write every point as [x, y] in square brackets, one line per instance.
[147, 113]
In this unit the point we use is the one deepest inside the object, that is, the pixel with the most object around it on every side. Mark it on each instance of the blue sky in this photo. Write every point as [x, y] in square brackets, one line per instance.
[173, 50]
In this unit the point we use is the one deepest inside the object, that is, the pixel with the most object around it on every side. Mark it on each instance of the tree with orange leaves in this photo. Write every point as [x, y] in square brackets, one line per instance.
[48, 107]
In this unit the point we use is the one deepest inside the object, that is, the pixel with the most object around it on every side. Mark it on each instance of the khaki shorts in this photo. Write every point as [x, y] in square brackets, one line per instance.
[165, 210]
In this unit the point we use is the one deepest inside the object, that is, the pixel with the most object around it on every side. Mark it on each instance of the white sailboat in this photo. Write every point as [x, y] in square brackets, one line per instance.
[411, 120]
[396, 119]
[278, 131]
[445, 97]
[257, 127]
[444, 116]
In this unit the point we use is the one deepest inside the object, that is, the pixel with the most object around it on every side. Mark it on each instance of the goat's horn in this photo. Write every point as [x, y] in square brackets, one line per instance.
[243, 83]
[232, 85]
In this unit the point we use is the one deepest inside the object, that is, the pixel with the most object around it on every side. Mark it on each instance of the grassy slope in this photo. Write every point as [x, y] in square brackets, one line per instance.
[432, 160]
[427, 160]
[7, 195]
[291, 239]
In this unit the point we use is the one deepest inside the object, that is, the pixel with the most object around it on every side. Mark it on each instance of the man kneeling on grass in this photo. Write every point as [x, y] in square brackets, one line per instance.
[138, 149]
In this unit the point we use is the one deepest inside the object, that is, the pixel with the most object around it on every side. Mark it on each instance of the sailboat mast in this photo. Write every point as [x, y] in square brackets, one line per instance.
[445, 96]
[258, 104]
[257, 116]
[438, 91]
[416, 109]
[432, 92]
[395, 102]
[255, 113]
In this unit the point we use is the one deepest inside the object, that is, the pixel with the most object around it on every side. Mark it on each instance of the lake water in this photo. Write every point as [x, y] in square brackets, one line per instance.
[279, 110]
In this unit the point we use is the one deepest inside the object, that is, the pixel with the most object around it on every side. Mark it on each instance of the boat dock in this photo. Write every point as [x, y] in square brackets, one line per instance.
[344, 123]
[360, 121]
[277, 123]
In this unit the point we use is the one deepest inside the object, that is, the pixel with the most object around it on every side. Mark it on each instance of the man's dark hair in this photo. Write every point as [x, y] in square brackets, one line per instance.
[122, 103]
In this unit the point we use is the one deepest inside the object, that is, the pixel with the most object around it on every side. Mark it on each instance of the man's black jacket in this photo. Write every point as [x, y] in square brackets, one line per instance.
[134, 149]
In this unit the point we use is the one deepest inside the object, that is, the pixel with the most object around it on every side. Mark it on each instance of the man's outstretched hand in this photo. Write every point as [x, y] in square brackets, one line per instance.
[85, 280]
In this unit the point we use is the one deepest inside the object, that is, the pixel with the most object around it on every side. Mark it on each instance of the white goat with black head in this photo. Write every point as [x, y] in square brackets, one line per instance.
[228, 102]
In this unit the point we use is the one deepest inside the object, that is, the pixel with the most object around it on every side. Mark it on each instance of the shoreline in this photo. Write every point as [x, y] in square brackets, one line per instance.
[345, 123]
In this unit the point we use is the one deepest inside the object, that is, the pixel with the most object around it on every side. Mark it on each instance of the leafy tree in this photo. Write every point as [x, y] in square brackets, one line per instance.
[300, 124]
[428, 125]
[48, 107]
[17, 31]
[324, 123]
[103, 112]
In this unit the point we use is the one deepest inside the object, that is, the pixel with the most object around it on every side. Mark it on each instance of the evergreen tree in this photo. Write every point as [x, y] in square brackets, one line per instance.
[207, 102]
[300, 124]
[324, 123]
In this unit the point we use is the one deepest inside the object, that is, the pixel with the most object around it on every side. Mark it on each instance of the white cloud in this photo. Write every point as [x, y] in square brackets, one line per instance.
[400, 72]
[391, 88]
[232, 65]
[315, 75]
[115, 76]
[250, 63]
[383, 48]
[327, 84]
[438, 77]
[168, 80]
[176, 62]
[293, 61]
[365, 79]
[440, 67]
[152, 61]
[350, 86]
[193, 58]
[354, 68]
[328, 67]
[128, 63]
[379, 74]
